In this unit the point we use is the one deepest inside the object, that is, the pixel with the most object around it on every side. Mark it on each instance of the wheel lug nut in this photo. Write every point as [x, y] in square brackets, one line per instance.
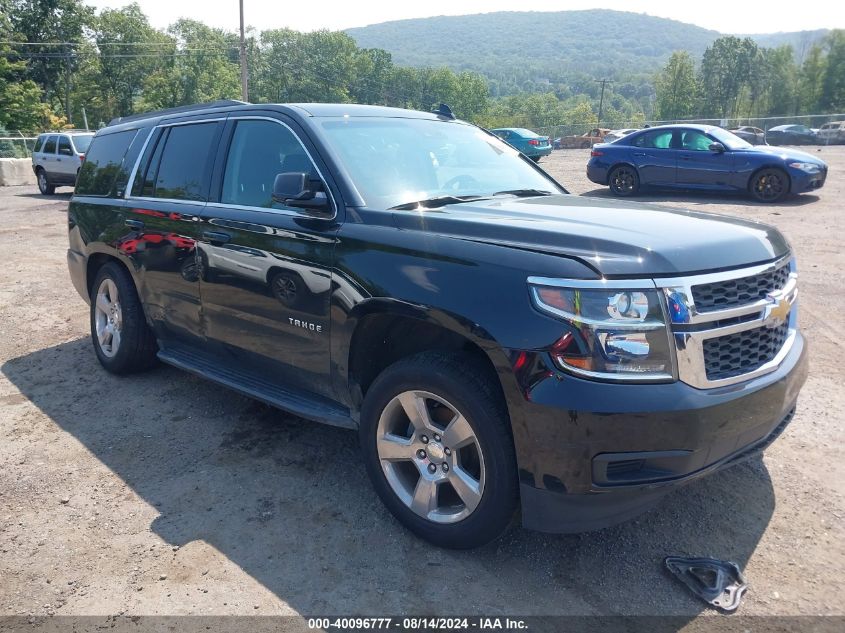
[432, 468]
[436, 437]
[424, 439]
[447, 450]
[445, 467]
[421, 454]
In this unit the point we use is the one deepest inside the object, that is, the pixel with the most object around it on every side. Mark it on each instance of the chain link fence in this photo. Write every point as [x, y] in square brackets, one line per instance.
[812, 121]
[14, 144]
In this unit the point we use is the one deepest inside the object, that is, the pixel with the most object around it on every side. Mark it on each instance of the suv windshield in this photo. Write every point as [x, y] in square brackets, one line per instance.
[82, 142]
[395, 161]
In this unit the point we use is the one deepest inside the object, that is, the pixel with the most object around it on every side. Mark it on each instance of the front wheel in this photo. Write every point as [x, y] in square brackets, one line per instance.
[769, 185]
[624, 181]
[437, 446]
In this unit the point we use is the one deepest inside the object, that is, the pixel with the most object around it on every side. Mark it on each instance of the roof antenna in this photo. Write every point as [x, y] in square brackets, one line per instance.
[444, 111]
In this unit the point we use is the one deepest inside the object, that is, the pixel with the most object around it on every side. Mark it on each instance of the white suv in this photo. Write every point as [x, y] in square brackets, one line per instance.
[57, 158]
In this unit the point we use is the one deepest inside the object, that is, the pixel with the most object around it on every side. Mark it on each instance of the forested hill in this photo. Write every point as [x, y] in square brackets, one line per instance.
[512, 48]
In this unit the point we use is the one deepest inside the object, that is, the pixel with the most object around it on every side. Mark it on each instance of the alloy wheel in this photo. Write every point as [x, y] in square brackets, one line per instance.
[769, 185]
[108, 317]
[430, 456]
[622, 181]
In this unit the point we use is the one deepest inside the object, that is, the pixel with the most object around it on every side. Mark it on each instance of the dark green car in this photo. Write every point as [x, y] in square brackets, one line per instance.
[529, 143]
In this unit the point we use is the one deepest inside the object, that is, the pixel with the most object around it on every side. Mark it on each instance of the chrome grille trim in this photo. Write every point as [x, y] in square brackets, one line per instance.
[689, 343]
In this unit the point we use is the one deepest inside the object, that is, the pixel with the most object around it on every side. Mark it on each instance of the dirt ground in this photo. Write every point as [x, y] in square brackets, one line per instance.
[165, 494]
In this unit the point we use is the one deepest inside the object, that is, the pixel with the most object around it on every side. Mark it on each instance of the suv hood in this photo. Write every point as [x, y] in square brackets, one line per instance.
[614, 238]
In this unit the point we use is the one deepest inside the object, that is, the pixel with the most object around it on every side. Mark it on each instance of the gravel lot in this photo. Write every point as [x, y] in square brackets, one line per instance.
[164, 494]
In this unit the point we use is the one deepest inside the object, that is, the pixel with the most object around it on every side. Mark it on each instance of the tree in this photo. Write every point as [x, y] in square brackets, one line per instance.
[725, 67]
[59, 26]
[832, 96]
[676, 88]
[812, 77]
[130, 51]
[203, 67]
[782, 80]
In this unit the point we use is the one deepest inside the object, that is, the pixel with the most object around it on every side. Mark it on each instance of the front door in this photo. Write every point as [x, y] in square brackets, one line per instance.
[162, 214]
[266, 268]
[700, 167]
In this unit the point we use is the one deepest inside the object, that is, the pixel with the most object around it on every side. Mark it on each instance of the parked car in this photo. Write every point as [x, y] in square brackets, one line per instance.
[615, 135]
[493, 341]
[753, 135]
[530, 143]
[582, 141]
[791, 135]
[833, 132]
[57, 157]
[702, 157]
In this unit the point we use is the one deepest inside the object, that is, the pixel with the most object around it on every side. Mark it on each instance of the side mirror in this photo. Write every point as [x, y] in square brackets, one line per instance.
[297, 189]
[717, 147]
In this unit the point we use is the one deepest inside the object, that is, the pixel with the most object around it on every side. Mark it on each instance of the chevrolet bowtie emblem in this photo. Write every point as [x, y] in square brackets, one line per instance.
[778, 310]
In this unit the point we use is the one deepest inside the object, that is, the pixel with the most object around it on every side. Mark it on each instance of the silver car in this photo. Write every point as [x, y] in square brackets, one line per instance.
[57, 158]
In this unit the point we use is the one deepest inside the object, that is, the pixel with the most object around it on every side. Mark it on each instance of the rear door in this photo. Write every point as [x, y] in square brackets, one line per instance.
[66, 161]
[162, 225]
[46, 158]
[267, 280]
[655, 158]
[698, 166]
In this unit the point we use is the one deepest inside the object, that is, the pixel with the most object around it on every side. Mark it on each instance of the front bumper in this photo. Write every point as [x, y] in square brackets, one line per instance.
[597, 453]
[801, 181]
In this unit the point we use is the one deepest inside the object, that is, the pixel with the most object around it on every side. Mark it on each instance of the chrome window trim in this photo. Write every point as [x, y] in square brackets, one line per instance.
[287, 212]
[127, 193]
[688, 345]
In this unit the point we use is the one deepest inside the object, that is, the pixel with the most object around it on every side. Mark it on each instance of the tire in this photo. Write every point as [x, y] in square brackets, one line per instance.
[769, 185]
[623, 181]
[44, 185]
[536, 159]
[473, 498]
[123, 341]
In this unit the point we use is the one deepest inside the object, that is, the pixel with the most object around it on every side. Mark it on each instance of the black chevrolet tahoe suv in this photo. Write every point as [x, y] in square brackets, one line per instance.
[500, 346]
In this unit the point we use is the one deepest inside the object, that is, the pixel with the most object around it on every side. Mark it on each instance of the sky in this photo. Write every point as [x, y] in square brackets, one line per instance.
[737, 16]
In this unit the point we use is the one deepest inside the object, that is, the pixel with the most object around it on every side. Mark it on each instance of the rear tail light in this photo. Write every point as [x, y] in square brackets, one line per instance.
[533, 141]
[596, 152]
[82, 158]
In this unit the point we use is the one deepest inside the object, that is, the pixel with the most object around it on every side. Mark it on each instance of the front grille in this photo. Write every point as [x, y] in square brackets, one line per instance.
[743, 352]
[733, 293]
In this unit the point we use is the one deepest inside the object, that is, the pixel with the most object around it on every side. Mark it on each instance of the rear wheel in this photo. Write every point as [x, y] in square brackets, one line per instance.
[436, 443]
[769, 185]
[624, 181]
[536, 159]
[123, 341]
[44, 185]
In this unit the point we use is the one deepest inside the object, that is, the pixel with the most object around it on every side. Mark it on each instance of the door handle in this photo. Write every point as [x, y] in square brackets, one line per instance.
[215, 236]
[135, 224]
[639, 154]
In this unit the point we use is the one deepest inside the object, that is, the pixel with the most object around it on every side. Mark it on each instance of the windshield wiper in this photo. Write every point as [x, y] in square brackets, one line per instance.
[524, 193]
[438, 201]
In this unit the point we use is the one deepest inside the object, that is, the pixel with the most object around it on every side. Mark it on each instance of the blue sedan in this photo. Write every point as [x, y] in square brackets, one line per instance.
[529, 143]
[702, 157]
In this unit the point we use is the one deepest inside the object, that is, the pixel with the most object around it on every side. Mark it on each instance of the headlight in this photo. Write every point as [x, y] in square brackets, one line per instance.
[615, 334]
[810, 168]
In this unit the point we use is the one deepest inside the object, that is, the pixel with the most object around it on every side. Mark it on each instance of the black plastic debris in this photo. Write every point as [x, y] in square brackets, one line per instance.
[717, 582]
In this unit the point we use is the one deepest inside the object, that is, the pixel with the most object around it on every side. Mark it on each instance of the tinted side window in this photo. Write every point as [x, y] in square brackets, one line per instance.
[38, 143]
[103, 162]
[658, 139]
[182, 173]
[695, 141]
[50, 145]
[64, 146]
[259, 151]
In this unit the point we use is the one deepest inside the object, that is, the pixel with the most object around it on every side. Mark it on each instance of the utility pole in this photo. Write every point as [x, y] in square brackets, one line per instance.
[244, 74]
[67, 84]
[603, 83]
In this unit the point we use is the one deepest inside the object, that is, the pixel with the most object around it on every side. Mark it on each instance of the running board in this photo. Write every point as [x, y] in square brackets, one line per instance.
[311, 407]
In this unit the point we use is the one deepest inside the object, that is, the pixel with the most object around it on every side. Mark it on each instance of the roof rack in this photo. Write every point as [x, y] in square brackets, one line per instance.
[222, 103]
